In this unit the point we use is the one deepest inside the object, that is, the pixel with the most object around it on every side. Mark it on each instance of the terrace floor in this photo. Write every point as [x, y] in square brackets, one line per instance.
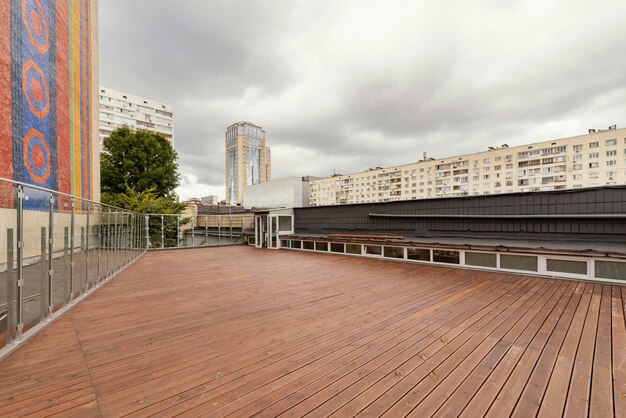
[243, 331]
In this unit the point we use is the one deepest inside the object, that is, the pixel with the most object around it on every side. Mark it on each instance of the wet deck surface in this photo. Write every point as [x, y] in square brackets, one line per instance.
[243, 331]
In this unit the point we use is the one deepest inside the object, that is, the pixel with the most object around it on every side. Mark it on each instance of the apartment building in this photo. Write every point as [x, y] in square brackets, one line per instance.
[118, 108]
[595, 159]
[248, 159]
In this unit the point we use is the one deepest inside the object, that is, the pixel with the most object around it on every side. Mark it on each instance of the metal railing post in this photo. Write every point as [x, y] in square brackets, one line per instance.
[115, 248]
[162, 233]
[72, 253]
[20, 263]
[66, 264]
[87, 233]
[98, 272]
[50, 254]
[206, 230]
[219, 229]
[108, 242]
[193, 222]
[147, 231]
[230, 225]
[11, 286]
[43, 279]
[178, 231]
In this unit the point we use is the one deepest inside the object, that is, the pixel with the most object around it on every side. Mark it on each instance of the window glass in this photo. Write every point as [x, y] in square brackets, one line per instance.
[336, 247]
[518, 262]
[481, 259]
[308, 245]
[394, 252]
[321, 246]
[421, 254]
[610, 270]
[567, 266]
[443, 256]
[284, 223]
[296, 244]
[373, 249]
[285, 243]
[353, 248]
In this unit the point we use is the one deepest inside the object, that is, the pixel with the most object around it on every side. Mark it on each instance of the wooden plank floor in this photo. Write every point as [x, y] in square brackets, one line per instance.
[240, 331]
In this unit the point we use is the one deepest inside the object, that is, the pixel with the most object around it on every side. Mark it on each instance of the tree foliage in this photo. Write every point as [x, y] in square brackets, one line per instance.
[140, 161]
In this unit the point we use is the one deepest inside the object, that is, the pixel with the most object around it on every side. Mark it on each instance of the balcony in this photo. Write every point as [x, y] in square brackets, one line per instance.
[241, 331]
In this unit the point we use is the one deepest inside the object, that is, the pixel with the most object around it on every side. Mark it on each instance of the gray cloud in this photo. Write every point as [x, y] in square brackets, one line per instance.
[347, 85]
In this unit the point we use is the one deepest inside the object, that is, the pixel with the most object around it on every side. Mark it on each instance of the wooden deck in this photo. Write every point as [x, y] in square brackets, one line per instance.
[241, 331]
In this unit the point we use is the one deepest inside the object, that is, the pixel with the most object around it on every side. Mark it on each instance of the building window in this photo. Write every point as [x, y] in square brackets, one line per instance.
[611, 153]
[610, 142]
[593, 145]
[593, 155]
[611, 163]
[578, 148]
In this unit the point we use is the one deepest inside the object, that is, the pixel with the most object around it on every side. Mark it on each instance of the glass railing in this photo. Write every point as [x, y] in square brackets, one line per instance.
[191, 230]
[54, 249]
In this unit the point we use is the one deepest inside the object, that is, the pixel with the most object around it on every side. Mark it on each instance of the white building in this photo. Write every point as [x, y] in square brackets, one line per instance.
[118, 108]
[594, 159]
[289, 192]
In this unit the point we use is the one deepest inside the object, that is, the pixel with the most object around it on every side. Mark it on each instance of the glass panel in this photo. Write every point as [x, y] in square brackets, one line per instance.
[518, 262]
[308, 245]
[296, 244]
[394, 252]
[7, 226]
[481, 259]
[567, 266]
[353, 249]
[421, 254]
[61, 238]
[336, 247]
[285, 243]
[284, 223]
[321, 246]
[274, 231]
[610, 270]
[373, 249]
[35, 219]
[443, 256]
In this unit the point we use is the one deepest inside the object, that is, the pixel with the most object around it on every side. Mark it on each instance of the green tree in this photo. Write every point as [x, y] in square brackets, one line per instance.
[140, 161]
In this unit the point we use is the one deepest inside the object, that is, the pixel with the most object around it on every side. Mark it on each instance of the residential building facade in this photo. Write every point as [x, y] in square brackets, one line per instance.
[248, 159]
[118, 108]
[594, 159]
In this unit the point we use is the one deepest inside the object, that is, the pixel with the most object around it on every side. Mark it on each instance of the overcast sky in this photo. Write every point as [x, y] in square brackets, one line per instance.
[348, 85]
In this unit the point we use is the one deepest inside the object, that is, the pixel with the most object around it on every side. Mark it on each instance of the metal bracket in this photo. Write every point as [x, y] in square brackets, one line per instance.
[20, 283]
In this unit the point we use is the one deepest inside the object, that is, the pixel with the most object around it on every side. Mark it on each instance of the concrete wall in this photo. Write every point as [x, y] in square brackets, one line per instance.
[290, 192]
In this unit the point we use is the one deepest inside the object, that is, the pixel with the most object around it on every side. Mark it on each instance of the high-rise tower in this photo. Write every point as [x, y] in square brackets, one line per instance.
[248, 159]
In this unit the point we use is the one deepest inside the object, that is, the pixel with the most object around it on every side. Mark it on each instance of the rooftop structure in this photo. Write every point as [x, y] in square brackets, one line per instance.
[290, 333]
[118, 108]
[595, 159]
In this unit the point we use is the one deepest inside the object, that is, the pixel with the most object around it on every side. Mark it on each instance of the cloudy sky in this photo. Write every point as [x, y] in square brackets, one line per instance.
[347, 85]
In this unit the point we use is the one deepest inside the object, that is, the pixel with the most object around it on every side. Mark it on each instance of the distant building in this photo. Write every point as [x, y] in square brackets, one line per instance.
[595, 159]
[248, 159]
[209, 200]
[118, 108]
[290, 192]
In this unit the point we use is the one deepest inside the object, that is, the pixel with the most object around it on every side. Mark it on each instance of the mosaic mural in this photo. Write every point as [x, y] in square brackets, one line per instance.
[45, 94]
